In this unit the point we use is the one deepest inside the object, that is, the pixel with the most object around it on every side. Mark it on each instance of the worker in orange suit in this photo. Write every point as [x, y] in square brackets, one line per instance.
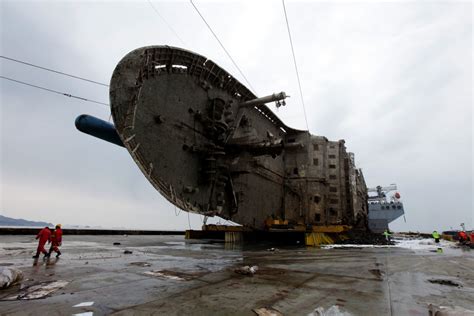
[44, 236]
[56, 241]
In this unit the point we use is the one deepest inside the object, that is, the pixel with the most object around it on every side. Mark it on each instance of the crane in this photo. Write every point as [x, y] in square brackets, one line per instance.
[381, 196]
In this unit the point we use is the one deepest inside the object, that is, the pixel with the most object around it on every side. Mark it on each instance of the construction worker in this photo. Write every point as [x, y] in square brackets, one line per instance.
[44, 236]
[435, 236]
[56, 240]
[387, 235]
[462, 236]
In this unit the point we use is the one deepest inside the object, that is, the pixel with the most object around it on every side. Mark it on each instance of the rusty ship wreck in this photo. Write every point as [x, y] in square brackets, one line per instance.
[212, 147]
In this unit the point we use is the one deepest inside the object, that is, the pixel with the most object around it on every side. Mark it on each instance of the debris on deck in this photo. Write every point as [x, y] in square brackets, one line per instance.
[331, 311]
[247, 270]
[267, 311]
[448, 311]
[445, 282]
[140, 264]
[84, 304]
[38, 291]
[9, 277]
[175, 275]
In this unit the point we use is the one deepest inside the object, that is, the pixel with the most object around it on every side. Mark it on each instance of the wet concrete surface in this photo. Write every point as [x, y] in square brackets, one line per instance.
[166, 275]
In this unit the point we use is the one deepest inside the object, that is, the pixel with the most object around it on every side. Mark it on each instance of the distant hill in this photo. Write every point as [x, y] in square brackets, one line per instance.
[8, 221]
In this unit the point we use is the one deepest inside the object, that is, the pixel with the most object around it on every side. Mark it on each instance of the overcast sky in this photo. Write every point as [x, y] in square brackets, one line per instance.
[394, 79]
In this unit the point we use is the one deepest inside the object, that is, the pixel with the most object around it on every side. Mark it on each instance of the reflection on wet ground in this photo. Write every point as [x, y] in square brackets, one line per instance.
[167, 275]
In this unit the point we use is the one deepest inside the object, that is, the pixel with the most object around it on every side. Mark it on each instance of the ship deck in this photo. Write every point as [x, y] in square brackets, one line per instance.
[166, 275]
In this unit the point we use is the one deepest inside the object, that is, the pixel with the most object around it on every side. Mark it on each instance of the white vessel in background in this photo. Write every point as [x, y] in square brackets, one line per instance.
[383, 210]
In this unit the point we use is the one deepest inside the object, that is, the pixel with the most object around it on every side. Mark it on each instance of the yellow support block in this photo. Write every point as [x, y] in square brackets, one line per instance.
[223, 228]
[269, 222]
[317, 239]
[331, 229]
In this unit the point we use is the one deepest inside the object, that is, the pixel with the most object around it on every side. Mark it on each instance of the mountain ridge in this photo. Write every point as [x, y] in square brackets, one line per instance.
[8, 221]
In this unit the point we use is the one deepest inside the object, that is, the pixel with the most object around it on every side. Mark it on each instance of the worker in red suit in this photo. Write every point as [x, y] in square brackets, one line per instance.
[44, 236]
[56, 240]
[462, 236]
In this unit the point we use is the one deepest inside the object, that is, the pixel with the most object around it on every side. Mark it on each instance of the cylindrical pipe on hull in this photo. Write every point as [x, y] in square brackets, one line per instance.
[269, 98]
[98, 128]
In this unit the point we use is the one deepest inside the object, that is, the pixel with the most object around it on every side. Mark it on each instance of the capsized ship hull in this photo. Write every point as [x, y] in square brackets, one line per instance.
[209, 146]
